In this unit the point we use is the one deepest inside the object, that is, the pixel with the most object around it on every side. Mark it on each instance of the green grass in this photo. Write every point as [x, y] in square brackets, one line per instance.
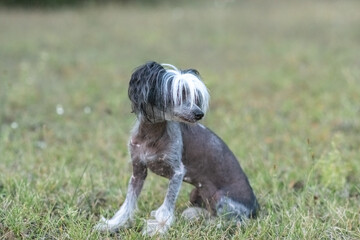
[285, 96]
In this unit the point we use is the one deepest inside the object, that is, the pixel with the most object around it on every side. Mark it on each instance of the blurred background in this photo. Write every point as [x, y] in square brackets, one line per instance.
[284, 82]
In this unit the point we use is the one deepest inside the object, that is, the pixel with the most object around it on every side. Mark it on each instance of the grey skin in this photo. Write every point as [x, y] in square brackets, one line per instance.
[211, 167]
[215, 172]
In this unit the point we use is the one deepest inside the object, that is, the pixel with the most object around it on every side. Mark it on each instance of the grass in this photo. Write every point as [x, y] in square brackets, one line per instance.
[284, 81]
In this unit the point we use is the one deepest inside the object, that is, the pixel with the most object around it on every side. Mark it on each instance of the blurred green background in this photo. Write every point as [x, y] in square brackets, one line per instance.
[284, 80]
[85, 3]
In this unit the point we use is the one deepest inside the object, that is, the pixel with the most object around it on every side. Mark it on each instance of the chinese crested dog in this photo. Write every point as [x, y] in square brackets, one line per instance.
[168, 140]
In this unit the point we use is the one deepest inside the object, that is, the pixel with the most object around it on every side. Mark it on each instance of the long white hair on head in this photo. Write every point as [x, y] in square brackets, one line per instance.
[187, 82]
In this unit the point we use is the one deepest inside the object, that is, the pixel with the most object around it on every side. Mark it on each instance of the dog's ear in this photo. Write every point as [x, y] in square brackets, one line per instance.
[191, 71]
[143, 86]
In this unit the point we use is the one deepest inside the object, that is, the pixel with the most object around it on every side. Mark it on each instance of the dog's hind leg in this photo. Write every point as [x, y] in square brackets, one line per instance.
[197, 210]
[230, 209]
[124, 215]
[195, 198]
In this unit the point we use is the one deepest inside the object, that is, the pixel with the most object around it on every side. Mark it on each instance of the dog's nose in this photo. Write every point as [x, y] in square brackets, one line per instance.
[198, 115]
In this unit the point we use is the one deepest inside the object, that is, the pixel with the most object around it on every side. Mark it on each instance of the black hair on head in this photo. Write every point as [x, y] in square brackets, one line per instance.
[145, 88]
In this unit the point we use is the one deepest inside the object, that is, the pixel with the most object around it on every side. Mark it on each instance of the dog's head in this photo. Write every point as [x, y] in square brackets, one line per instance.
[161, 92]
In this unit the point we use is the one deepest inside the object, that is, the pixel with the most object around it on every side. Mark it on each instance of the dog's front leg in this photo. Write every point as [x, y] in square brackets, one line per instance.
[124, 215]
[164, 215]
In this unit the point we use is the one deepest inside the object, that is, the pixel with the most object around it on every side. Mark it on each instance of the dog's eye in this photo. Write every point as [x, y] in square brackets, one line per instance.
[198, 102]
[184, 93]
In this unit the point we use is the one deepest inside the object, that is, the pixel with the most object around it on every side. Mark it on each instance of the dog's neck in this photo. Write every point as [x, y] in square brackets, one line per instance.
[146, 131]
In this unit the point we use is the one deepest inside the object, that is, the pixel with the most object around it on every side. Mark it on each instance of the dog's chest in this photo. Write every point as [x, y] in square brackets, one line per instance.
[160, 150]
[144, 152]
[157, 160]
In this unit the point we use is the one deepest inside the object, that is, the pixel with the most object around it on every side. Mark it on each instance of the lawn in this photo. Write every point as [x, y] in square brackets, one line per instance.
[284, 80]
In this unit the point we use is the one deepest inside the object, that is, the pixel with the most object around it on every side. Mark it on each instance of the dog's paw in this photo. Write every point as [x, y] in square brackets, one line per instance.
[110, 225]
[193, 214]
[163, 215]
[162, 222]
[154, 227]
[103, 225]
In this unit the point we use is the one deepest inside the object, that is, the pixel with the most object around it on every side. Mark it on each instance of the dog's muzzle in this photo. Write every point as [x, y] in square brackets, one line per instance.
[198, 114]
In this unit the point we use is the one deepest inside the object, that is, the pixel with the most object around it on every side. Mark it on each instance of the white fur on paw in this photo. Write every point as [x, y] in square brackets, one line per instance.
[195, 214]
[110, 225]
[162, 222]
[163, 215]
[154, 227]
[103, 225]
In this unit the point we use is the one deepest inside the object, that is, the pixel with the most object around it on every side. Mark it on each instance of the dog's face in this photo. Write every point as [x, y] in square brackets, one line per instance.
[186, 112]
[160, 94]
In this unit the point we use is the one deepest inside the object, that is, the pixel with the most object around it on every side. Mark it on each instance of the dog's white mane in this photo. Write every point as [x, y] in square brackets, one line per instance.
[187, 83]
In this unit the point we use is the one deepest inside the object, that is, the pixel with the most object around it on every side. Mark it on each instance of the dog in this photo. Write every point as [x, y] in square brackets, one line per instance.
[168, 140]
